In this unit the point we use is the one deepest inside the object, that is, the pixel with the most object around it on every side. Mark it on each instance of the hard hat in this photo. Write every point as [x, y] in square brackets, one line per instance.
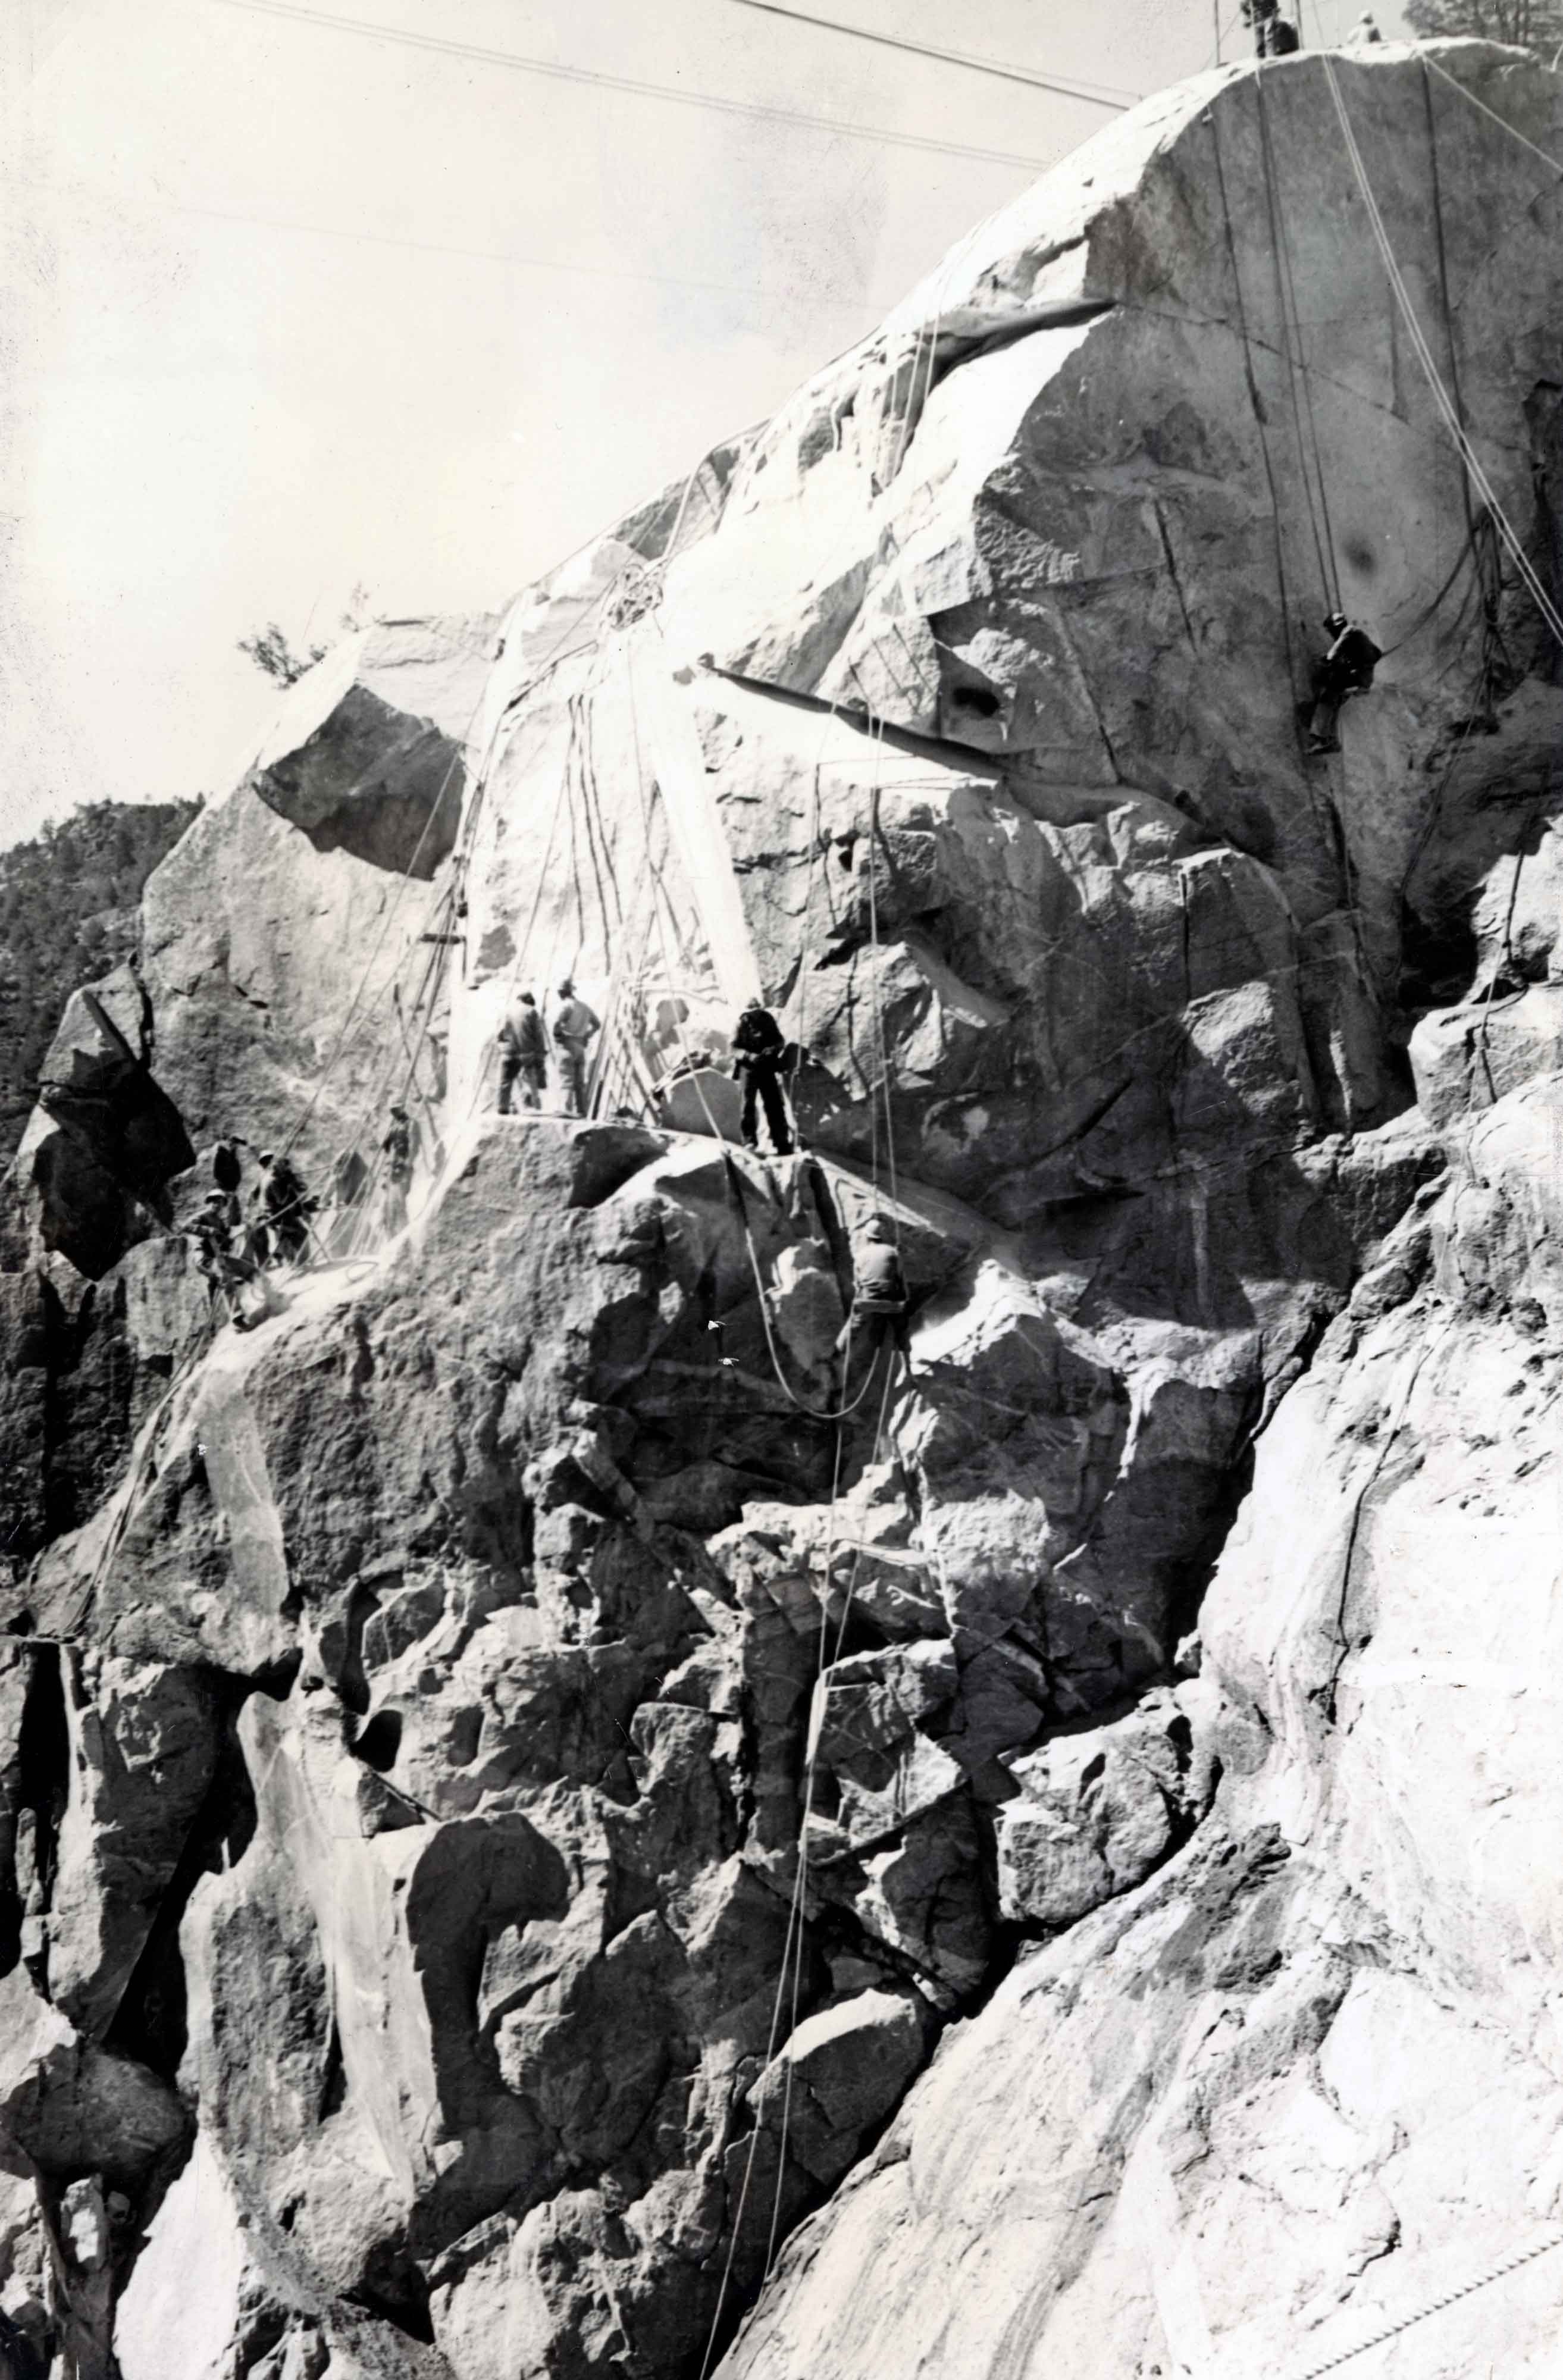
[567, 986]
[397, 1108]
[1335, 619]
[877, 1228]
[266, 1157]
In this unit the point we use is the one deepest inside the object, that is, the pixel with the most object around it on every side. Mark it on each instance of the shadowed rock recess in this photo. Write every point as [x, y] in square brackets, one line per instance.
[410, 1710]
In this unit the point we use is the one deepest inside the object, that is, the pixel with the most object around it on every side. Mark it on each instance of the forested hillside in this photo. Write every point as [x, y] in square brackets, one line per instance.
[67, 913]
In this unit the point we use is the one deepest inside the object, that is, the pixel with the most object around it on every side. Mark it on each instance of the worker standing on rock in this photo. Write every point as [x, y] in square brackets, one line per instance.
[760, 1054]
[228, 1271]
[879, 1293]
[398, 1154]
[287, 1207]
[1259, 16]
[1275, 36]
[1346, 669]
[573, 1025]
[210, 1231]
[522, 1047]
[228, 1172]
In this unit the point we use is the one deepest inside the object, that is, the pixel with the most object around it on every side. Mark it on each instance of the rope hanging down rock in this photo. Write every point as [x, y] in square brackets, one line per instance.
[1442, 399]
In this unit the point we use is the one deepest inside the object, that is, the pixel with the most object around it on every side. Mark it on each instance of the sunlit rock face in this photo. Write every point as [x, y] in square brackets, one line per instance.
[549, 1779]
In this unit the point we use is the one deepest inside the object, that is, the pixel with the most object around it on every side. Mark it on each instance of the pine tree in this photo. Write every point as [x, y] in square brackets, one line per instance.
[272, 653]
[67, 913]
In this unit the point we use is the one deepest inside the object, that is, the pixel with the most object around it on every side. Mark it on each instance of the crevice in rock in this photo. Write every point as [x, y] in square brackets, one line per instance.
[333, 2082]
[1543, 419]
[968, 757]
[1438, 957]
[350, 1678]
[43, 1787]
[1188, 1579]
[379, 1740]
[89, 1382]
[953, 350]
[400, 2298]
[150, 2022]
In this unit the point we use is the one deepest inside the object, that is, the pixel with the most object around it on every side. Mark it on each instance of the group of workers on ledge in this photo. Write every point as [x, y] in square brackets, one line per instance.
[761, 1057]
[1275, 36]
[523, 1049]
[235, 1250]
[237, 1247]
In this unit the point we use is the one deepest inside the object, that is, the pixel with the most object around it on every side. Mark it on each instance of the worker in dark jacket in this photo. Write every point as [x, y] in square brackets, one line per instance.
[1275, 36]
[759, 1050]
[227, 1269]
[1346, 669]
[286, 1205]
[879, 1293]
[523, 1047]
[228, 1172]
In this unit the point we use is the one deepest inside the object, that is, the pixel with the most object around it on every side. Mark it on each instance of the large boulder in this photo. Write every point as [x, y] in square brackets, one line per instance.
[369, 752]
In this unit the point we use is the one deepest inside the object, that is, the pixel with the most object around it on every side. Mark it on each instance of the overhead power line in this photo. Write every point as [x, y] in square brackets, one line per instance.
[510, 257]
[863, 308]
[594, 77]
[1002, 69]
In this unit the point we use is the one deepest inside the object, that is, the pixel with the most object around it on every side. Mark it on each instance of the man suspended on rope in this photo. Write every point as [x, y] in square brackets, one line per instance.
[398, 1152]
[286, 1205]
[573, 1025]
[1346, 669]
[522, 1047]
[879, 1294]
[760, 1054]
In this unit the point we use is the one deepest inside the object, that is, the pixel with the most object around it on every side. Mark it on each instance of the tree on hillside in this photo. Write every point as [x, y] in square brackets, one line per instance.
[1528, 24]
[67, 913]
[271, 652]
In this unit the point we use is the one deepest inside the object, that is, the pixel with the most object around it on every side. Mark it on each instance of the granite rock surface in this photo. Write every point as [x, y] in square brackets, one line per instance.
[556, 1821]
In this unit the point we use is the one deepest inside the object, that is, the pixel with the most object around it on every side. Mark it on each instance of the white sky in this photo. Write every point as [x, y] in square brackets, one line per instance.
[284, 309]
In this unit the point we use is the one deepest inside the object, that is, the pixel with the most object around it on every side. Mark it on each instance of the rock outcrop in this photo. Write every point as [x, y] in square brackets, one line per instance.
[537, 1785]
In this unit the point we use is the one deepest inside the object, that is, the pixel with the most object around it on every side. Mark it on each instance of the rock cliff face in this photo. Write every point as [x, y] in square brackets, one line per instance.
[535, 1791]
